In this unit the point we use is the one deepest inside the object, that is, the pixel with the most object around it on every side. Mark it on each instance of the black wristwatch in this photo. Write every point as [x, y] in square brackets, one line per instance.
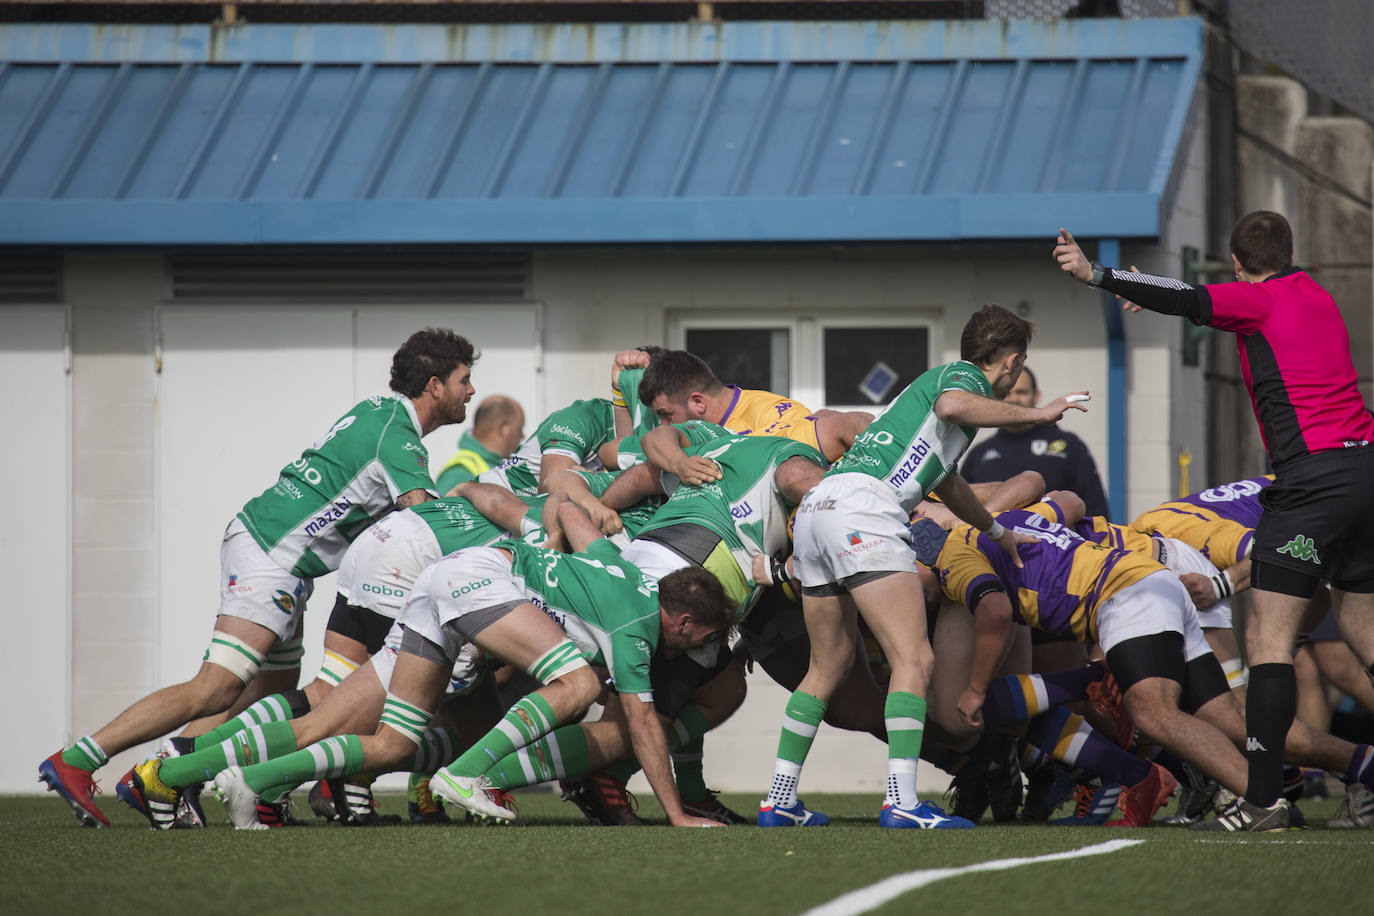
[1098, 273]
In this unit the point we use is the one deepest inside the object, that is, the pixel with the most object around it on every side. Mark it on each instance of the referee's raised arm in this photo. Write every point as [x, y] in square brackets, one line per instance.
[1136, 290]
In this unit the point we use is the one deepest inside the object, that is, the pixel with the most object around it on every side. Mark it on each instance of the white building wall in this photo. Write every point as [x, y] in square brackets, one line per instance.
[595, 302]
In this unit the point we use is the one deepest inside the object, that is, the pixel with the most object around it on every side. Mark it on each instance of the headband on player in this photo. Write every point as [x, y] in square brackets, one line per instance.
[927, 539]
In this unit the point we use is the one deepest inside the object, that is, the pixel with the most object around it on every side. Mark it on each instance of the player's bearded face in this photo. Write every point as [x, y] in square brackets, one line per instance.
[455, 393]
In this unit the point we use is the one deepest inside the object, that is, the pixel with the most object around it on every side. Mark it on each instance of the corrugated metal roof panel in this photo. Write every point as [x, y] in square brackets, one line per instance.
[609, 151]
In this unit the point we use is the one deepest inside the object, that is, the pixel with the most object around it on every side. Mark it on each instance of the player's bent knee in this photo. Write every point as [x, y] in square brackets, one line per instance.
[235, 656]
[582, 686]
[401, 720]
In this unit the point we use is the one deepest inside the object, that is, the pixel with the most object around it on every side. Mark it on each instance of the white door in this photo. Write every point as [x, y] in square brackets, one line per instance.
[35, 544]
[243, 389]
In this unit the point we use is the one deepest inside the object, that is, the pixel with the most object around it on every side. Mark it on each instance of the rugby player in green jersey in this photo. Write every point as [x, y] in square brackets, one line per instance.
[370, 462]
[852, 556]
[553, 615]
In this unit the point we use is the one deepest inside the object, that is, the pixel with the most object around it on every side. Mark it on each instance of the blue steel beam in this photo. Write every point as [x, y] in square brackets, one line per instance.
[1118, 418]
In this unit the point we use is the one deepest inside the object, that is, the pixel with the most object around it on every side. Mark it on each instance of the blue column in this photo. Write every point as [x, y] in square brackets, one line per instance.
[1109, 253]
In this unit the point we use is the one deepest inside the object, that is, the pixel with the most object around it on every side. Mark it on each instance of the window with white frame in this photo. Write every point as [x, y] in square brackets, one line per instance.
[861, 359]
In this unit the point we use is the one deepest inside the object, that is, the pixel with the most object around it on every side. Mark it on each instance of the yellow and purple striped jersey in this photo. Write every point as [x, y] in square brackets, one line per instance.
[1219, 522]
[762, 413]
[1064, 578]
[1097, 529]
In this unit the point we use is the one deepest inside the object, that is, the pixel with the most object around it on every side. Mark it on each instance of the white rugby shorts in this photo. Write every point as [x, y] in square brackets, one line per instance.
[468, 582]
[1159, 603]
[253, 587]
[850, 524]
[1182, 558]
[467, 670]
[381, 566]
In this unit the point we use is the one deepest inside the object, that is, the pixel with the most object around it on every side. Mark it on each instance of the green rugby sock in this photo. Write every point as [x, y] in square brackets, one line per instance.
[800, 720]
[245, 748]
[331, 758]
[530, 718]
[269, 709]
[904, 714]
[561, 754]
[85, 755]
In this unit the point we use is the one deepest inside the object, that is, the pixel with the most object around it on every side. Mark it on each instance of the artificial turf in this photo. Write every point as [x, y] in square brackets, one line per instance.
[560, 864]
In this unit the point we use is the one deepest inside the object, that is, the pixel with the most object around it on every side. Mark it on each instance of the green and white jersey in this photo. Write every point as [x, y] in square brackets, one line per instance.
[642, 419]
[340, 485]
[630, 451]
[603, 603]
[576, 431]
[906, 445]
[744, 508]
[457, 524]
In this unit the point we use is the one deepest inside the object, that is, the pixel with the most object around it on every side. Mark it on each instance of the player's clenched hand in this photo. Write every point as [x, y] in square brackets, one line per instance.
[970, 705]
[608, 520]
[694, 470]
[628, 359]
[1199, 589]
[1071, 258]
[1008, 542]
[938, 513]
[1055, 410]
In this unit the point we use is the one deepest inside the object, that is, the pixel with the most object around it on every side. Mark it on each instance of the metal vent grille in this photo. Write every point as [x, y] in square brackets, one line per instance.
[30, 279]
[349, 277]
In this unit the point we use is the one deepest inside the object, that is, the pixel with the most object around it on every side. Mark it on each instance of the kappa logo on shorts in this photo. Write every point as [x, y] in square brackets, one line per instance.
[1302, 548]
[284, 601]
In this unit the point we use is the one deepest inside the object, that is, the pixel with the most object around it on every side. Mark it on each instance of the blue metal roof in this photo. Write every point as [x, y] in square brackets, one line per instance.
[528, 134]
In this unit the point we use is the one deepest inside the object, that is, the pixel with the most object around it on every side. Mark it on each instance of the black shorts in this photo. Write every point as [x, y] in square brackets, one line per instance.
[1318, 522]
[367, 627]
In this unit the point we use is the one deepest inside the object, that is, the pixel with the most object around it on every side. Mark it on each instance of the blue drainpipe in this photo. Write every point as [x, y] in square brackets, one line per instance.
[1109, 253]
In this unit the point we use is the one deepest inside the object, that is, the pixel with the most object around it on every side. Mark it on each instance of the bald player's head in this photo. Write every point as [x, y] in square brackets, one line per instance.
[499, 424]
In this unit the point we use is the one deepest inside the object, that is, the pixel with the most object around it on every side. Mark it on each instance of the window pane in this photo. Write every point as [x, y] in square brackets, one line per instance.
[870, 366]
[747, 357]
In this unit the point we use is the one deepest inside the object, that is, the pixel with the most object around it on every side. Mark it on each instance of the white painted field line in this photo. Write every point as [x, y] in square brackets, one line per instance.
[875, 895]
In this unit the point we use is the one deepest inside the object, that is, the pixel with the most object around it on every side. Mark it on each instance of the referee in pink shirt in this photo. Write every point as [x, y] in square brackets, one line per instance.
[1318, 517]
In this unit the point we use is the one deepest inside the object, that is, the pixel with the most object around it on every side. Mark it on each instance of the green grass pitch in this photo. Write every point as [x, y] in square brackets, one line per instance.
[560, 864]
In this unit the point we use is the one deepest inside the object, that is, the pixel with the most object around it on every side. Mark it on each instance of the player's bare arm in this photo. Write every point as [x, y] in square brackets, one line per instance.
[1070, 504]
[836, 430]
[651, 749]
[550, 465]
[575, 486]
[497, 504]
[954, 492]
[965, 408]
[663, 447]
[992, 623]
[633, 487]
[578, 528]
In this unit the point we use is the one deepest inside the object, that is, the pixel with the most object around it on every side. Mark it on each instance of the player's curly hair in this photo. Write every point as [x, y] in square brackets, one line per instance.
[992, 332]
[695, 591]
[427, 354]
[1263, 242]
[676, 373]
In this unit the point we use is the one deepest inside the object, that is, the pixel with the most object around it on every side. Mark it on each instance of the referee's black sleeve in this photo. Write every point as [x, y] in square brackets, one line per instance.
[1160, 294]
